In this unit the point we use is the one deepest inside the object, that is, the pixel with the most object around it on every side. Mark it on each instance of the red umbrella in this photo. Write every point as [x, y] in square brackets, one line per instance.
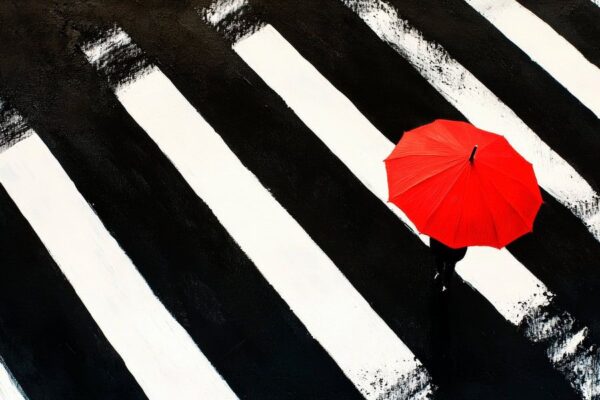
[462, 185]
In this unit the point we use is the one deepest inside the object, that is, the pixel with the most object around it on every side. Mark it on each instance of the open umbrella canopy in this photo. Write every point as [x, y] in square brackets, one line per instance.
[462, 185]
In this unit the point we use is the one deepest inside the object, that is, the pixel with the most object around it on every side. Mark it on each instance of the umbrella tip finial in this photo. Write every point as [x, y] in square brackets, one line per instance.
[473, 154]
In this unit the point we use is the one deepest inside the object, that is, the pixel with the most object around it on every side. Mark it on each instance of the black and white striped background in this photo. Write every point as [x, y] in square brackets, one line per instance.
[193, 200]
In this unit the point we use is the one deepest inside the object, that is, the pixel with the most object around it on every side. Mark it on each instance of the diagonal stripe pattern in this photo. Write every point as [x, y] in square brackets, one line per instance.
[360, 342]
[546, 47]
[481, 107]
[155, 348]
[507, 284]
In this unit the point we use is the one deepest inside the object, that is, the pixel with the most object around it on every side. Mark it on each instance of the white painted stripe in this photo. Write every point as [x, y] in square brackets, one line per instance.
[221, 9]
[496, 274]
[9, 388]
[596, 2]
[567, 347]
[120, 38]
[358, 144]
[335, 314]
[156, 349]
[546, 47]
[481, 107]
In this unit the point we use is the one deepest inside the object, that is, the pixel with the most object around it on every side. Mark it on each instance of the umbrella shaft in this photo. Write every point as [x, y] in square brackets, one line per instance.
[473, 154]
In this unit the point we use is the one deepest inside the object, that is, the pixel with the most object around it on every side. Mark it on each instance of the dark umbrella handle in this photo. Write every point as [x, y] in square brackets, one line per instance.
[473, 154]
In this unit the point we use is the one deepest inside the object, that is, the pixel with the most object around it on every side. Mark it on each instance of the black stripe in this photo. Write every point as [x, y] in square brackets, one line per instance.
[48, 340]
[540, 101]
[395, 99]
[575, 20]
[369, 93]
[565, 256]
[383, 95]
[199, 273]
[370, 245]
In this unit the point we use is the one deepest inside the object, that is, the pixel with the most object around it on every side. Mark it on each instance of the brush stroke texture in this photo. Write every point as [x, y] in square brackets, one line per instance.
[231, 18]
[372, 357]
[157, 351]
[482, 108]
[360, 234]
[507, 284]
[221, 9]
[568, 348]
[395, 98]
[12, 127]
[560, 120]
[188, 259]
[335, 120]
[546, 47]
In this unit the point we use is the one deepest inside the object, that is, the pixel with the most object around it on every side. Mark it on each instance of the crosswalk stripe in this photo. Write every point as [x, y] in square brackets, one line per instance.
[9, 388]
[342, 47]
[546, 107]
[574, 338]
[155, 348]
[575, 333]
[363, 148]
[395, 98]
[360, 235]
[546, 47]
[42, 353]
[220, 9]
[482, 107]
[372, 357]
[187, 258]
[497, 275]
[577, 22]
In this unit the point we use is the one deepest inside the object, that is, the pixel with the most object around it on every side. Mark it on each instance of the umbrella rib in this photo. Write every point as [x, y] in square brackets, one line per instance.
[462, 209]
[488, 208]
[454, 163]
[509, 203]
[438, 205]
[449, 135]
[489, 165]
